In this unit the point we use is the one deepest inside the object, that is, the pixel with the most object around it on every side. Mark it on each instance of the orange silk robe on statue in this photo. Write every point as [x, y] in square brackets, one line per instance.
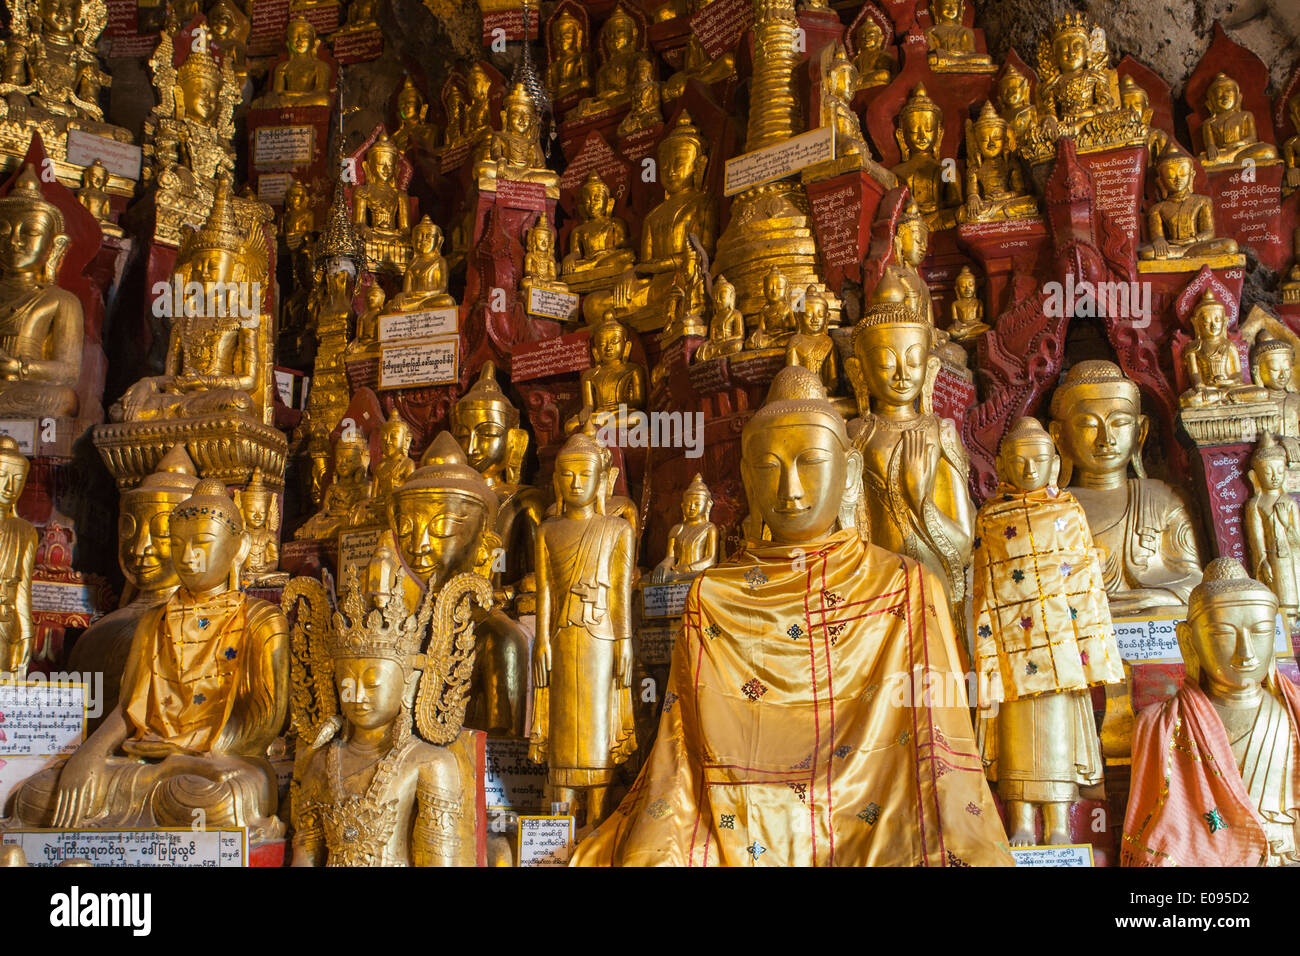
[788, 735]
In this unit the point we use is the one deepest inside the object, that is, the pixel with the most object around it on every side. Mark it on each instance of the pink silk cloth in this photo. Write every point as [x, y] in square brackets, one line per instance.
[814, 716]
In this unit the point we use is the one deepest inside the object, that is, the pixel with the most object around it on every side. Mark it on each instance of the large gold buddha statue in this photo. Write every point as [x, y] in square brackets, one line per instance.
[304, 79]
[920, 137]
[783, 742]
[1214, 768]
[515, 151]
[42, 326]
[381, 208]
[204, 692]
[1151, 558]
[621, 50]
[17, 563]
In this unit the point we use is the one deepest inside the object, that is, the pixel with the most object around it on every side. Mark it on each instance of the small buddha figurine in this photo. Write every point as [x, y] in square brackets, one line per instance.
[425, 284]
[304, 79]
[698, 65]
[1272, 525]
[1291, 149]
[1015, 104]
[874, 65]
[361, 17]
[1151, 559]
[395, 465]
[42, 326]
[687, 298]
[95, 198]
[366, 344]
[298, 224]
[911, 241]
[17, 564]
[540, 271]
[692, 542]
[1133, 97]
[168, 759]
[1181, 224]
[381, 208]
[453, 106]
[613, 380]
[996, 185]
[349, 487]
[920, 136]
[812, 346]
[377, 794]
[515, 152]
[582, 724]
[951, 42]
[1211, 361]
[598, 245]
[1213, 766]
[476, 120]
[1229, 134]
[726, 325]
[646, 110]
[566, 68]
[414, 131]
[776, 322]
[621, 48]
[967, 309]
[1043, 637]
[1272, 367]
[260, 507]
[839, 83]
[230, 28]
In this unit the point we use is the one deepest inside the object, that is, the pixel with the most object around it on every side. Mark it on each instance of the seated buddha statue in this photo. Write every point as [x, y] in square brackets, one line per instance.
[1151, 559]
[348, 488]
[726, 324]
[381, 208]
[874, 65]
[599, 248]
[613, 381]
[698, 65]
[425, 284]
[920, 136]
[566, 64]
[692, 542]
[646, 110]
[951, 42]
[96, 199]
[1272, 367]
[476, 117]
[395, 465]
[191, 126]
[515, 152]
[414, 131]
[366, 343]
[304, 79]
[1213, 767]
[1229, 134]
[621, 48]
[540, 271]
[362, 17]
[811, 346]
[42, 326]
[996, 185]
[752, 654]
[1015, 105]
[1133, 97]
[839, 83]
[260, 507]
[1211, 361]
[168, 759]
[776, 321]
[298, 223]
[967, 309]
[229, 29]
[1181, 224]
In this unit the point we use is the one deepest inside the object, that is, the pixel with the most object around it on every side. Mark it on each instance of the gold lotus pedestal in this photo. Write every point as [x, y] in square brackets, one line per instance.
[223, 446]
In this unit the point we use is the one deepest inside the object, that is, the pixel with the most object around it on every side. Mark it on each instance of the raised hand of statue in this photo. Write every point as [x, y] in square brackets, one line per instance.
[541, 664]
[920, 461]
[623, 663]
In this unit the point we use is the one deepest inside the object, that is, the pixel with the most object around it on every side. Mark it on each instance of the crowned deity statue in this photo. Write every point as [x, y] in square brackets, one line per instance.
[567, 72]
[381, 207]
[875, 67]
[260, 506]
[303, 79]
[996, 185]
[1228, 135]
[951, 43]
[920, 137]
[622, 47]
[17, 565]
[515, 151]
[1180, 226]
[599, 247]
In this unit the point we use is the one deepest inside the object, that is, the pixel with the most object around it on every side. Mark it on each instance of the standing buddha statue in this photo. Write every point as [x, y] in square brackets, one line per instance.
[1272, 524]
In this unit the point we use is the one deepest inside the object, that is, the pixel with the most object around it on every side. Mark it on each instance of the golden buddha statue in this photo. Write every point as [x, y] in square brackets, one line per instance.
[646, 110]
[362, 17]
[622, 48]
[229, 28]
[839, 83]
[349, 487]
[776, 322]
[951, 42]
[566, 58]
[42, 326]
[1272, 367]
[1181, 224]
[920, 136]
[167, 759]
[1291, 149]
[692, 542]
[914, 466]
[260, 508]
[376, 794]
[425, 284]
[298, 223]
[1211, 361]
[613, 383]
[755, 649]
[1228, 134]
[967, 309]
[688, 299]
[304, 79]
[17, 564]
[366, 343]
[1015, 105]
[1151, 560]
[540, 271]
[476, 119]
[442, 517]
[96, 199]
[582, 655]
[698, 65]
[811, 346]
[515, 152]
[874, 65]
[726, 325]
[1213, 767]
[1272, 525]
[414, 131]
[1133, 97]
[395, 465]
[145, 557]
[1043, 637]
[911, 242]
[687, 210]
[217, 361]
[599, 249]
[996, 185]
[381, 208]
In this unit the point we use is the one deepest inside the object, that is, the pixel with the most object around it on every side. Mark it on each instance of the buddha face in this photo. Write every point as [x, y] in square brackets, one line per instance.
[1100, 434]
[394, 441]
[381, 165]
[893, 360]
[814, 316]
[1209, 321]
[1070, 51]
[371, 690]
[1269, 472]
[484, 434]
[1274, 368]
[696, 505]
[965, 286]
[869, 37]
[946, 11]
[920, 129]
[620, 35]
[1176, 175]
[595, 199]
[519, 118]
[795, 472]
[480, 87]
[990, 140]
[1028, 463]
[255, 508]
[25, 239]
[202, 97]
[96, 176]
[541, 240]
[351, 460]
[578, 479]
[213, 266]
[609, 346]
[221, 23]
[59, 16]
[13, 475]
[301, 37]
[1232, 638]
[566, 35]
[1013, 89]
[677, 161]
[1133, 97]
[203, 549]
[775, 287]
[724, 297]
[144, 548]
[911, 241]
[297, 197]
[437, 531]
[375, 298]
[1223, 95]
[425, 238]
[408, 106]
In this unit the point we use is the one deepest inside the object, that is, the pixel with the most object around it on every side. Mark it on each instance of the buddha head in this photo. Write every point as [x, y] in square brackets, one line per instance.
[256, 503]
[1268, 465]
[1070, 43]
[441, 513]
[541, 238]
[208, 543]
[351, 457]
[487, 427]
[620, 33]
[225, 22]
[300, 37]
[595, 200]
[426, 237]
[581, 471]
[95, 177]
[410, 104]
[776, 287]
[812, 321]
[1133, 97]
[1210, 319]
[382, 162]
[32, 237]
[480, 85]
[920, 125]
[697, 501]
[1272, 362]
[1227, 639]
[394, 437]
[911, 237]
[59, 18]
[199, 79]
[797, 462]
[566, 34]
[841, 75]
[892, 346]
[965, 283]
[1223, 95]
[946, 11]
[1013, 89]
[1175, 170]
[610, 343]
[992, 138]
[724, 297]
[1097, 422]
[220, 252]
[375, 298]
[13, 473]
[297, 196]
[868, 37]
[682, 157]
[144, 521]
[1027, 457]
[519, 115]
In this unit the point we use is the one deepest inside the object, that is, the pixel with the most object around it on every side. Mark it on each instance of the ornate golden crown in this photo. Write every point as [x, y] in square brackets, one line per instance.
[392, 631]
[1071, 23]
[201, 64]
